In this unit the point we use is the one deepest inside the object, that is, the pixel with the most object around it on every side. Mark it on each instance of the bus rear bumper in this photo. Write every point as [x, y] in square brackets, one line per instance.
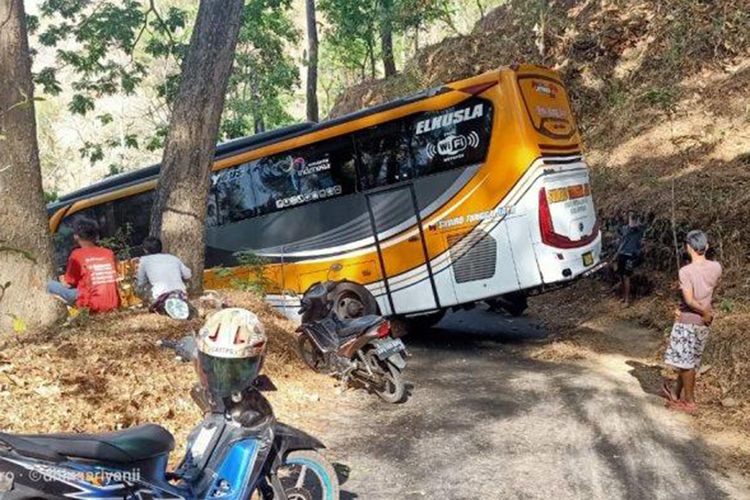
[558, 265]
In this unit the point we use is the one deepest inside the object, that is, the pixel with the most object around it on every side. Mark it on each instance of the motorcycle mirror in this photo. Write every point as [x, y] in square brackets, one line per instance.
[264, 384]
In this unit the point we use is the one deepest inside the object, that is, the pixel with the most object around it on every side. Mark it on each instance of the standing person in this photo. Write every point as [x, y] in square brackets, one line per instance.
[167, 275]
[90, 281]
[629, 253]
[698, 280]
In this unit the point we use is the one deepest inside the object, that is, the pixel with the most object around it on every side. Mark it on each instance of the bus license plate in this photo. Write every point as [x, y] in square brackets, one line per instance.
[588, 259]
[390, 347]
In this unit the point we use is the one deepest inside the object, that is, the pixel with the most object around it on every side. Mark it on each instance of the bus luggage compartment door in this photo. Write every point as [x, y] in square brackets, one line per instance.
[399, 237]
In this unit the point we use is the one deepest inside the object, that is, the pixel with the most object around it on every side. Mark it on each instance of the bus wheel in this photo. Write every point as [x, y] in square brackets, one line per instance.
[514, 303]
[351, 300]
[418, 324]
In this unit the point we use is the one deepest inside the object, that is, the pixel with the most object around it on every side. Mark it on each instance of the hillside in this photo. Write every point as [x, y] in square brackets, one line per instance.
[660, 90]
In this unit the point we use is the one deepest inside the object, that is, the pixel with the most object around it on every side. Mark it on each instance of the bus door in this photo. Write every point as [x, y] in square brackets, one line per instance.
[399, 236]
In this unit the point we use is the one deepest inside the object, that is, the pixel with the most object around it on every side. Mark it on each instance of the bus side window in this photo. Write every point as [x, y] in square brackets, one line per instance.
[63, 244]
[325, 167]
[232, 197]
[132, 218]
[384, 152]
[103, 215]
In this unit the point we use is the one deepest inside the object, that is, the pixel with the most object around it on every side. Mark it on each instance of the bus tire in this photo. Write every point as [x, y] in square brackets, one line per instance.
[418, 324]
[514, 303]
[352, 300]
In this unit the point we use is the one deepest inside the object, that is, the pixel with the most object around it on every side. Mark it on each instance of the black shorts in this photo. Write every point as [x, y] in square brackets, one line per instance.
[626, 264]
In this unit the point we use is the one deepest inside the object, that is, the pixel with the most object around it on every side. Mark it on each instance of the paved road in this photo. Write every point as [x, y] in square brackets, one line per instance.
[485, 422]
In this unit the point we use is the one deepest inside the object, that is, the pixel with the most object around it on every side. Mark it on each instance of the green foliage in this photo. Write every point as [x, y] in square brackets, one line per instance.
[264, 76]
[111, 47]
[354, 26]
[119, 242]
[726, 305]
[257, 282]
[352, 32]
[663, 98]
[222, 272]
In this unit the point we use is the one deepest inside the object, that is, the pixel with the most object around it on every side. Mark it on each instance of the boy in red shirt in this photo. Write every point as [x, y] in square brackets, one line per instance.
[90, 281]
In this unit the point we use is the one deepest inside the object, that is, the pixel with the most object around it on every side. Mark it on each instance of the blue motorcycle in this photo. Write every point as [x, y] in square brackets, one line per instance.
[238, 451]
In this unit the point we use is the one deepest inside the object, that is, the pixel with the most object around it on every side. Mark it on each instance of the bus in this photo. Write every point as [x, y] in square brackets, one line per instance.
[471, 191]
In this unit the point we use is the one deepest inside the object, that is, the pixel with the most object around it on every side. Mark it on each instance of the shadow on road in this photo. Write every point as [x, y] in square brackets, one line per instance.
[483, 420]
[470, 328]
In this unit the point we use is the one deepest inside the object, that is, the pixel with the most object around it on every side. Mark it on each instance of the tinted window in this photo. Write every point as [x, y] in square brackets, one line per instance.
[315, 172]
[232, 197]
[455, 137]
[425, 143]
[132, 219]
[123, 225]
[384, 153]
[103, 215]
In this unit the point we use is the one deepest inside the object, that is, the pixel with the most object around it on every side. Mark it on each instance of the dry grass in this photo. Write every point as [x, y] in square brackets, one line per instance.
[106, 373]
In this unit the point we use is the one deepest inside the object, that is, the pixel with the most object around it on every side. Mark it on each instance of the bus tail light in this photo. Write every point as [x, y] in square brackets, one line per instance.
[547, 228]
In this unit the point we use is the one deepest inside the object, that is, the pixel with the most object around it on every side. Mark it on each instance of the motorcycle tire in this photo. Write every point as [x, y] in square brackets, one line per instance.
[394, 388]
[310, 354]
[319, 482]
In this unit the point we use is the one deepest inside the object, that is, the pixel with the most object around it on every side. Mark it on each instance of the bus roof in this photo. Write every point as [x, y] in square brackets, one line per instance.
[235, 146]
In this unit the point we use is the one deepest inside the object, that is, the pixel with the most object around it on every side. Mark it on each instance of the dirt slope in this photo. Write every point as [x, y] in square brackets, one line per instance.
[660, 89]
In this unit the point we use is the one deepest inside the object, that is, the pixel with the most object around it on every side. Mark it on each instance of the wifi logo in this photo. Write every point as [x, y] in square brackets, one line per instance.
[453, 145]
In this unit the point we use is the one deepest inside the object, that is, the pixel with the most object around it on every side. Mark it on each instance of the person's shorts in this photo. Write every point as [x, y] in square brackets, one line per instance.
[626, 264]
[686, 344]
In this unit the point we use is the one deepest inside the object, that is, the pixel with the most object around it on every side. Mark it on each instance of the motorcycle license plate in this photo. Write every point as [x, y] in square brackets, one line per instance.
[588, 259]
[389, 347]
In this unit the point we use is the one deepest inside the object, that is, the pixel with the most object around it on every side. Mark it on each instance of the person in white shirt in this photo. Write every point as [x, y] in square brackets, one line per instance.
[165, 273]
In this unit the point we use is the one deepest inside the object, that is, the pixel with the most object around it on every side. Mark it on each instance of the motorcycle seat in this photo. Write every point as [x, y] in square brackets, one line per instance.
[127, 446]
[351, 327]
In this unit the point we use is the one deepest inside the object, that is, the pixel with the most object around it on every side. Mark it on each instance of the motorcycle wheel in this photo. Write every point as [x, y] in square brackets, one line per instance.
[310, 353]
[307, 475]
[393, 388]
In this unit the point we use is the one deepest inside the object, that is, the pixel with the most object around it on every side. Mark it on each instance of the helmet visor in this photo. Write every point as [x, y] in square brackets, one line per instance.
[223, 376]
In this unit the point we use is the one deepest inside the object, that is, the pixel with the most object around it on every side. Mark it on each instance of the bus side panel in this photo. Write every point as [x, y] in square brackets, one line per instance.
[519, 228]
[480, 262]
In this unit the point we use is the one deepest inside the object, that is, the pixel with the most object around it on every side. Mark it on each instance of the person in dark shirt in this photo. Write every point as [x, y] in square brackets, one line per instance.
[629, 253]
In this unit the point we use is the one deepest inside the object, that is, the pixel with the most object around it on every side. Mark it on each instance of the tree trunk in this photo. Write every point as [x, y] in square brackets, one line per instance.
[179, 211]
[25, 246]
[371, 56]
[312, 62]
[386, 37]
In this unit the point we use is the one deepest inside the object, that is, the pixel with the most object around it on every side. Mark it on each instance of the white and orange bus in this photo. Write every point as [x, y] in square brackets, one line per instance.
[467, 192]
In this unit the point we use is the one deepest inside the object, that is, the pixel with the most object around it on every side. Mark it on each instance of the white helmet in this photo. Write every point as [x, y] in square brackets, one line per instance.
[230, 351]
